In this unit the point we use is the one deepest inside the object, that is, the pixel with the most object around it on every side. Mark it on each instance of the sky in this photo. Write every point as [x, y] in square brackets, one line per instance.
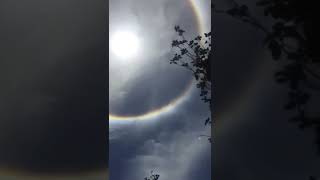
[167, 141]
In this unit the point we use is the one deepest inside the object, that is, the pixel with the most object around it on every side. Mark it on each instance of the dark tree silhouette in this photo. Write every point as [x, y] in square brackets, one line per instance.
[194, 55]
[152, 176]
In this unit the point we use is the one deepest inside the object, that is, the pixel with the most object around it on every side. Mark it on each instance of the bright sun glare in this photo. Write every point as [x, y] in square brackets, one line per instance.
[124, 44]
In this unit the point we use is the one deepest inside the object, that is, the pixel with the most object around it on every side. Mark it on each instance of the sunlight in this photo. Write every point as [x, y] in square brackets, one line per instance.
[124, 44]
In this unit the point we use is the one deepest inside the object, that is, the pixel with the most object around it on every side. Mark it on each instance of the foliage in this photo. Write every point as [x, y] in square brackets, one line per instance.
[294, 24]
[194, 55]
[152, 176]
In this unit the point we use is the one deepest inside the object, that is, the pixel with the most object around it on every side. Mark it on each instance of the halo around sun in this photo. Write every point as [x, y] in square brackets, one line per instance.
[125, 44]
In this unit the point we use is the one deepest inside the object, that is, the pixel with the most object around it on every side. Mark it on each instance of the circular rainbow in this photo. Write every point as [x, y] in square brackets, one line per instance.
[200, 17]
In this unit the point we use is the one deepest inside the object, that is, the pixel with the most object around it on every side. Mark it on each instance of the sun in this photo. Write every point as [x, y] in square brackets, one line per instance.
[125, 44]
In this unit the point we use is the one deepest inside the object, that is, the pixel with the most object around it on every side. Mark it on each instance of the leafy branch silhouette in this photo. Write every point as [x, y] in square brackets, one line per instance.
[152, 176]
[194, 55]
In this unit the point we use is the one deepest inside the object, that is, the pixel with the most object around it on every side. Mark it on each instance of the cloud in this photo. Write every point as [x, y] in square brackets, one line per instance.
[169, 145]
[172, 159]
